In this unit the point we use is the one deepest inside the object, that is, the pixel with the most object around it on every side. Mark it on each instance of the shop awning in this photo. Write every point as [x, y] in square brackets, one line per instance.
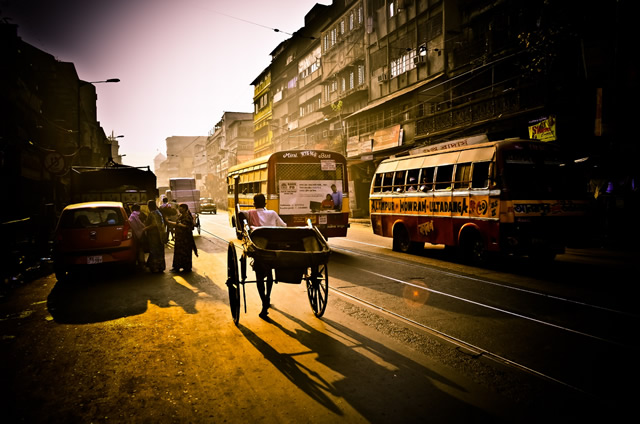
[395, 95]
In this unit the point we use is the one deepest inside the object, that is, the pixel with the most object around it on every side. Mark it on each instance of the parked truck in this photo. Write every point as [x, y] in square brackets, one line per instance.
[183, 190]
[120, 183]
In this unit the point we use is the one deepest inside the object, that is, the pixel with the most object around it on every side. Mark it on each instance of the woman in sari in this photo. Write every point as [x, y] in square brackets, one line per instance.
[184, 242]
[138, 233]
[155, 237]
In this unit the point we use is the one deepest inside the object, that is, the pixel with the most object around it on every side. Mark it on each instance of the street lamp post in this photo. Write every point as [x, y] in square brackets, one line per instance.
[108, 80]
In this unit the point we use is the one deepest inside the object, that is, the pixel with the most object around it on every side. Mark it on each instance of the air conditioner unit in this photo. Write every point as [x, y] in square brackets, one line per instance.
[325, 134]
[419, 59]
[382, 77]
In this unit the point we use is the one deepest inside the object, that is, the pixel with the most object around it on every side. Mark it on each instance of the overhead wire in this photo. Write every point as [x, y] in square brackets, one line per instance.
[475, 72]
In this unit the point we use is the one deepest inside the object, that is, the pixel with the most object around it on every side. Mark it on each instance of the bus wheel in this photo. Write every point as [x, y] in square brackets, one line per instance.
[473, 249]
[402, 242]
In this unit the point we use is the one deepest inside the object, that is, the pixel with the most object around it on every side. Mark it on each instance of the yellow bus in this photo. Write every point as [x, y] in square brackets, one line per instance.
[298, 185]
[512, 196]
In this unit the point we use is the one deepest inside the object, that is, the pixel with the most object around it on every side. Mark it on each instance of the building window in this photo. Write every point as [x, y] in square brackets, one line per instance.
[434, 27]
[403, 64]
[315, 65]
[263, 101]
[360, 74]
[392, 10]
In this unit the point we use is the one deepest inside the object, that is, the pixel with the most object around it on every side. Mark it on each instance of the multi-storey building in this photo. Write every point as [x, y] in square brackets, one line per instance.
[262, 111]
[309, 130]
[49, 123]
[344, 72]
[180, 158]
[229, 142]
[239, 136]
[288, 92]
[199, 172]
[401, 75]
[345, 91]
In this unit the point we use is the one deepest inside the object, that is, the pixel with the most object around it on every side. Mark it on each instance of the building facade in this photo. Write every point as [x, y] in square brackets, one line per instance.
[396, 76]
[229, 142]
[48, 124]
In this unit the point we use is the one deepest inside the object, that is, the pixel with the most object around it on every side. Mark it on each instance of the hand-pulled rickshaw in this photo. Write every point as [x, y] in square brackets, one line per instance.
[293, 254]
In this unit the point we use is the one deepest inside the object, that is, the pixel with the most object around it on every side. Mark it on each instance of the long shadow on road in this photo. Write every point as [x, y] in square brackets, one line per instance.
[109, 295]
[381, 384]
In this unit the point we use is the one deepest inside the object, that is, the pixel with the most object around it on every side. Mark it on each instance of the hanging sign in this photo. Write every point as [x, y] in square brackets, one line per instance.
[543, 129]
[54, 163]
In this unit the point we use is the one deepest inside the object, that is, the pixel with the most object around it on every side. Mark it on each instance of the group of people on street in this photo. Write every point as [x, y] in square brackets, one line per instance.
[151, 235]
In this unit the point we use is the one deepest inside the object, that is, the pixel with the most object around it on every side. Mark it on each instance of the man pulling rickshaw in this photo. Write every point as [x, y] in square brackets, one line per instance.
[262, 217]
[291, 254]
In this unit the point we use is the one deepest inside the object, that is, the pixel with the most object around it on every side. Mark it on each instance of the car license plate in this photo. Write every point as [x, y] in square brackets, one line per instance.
[94, 259]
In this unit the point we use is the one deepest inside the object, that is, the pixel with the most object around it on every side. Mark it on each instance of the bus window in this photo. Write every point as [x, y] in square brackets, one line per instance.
[398, 182]
[388, 181]
[480, 177]
[412, 179]
[463, 174]
[377, 183]
[426, 180]
[443, 177]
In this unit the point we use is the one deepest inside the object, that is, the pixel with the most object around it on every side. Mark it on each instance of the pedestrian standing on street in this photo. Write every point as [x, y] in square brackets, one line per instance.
[184, 242]
[138, 233]
[154, 229]
[168, 213]
[262, 217]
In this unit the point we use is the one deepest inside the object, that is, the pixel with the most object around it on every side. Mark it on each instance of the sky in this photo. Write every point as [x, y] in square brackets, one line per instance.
[181, 63]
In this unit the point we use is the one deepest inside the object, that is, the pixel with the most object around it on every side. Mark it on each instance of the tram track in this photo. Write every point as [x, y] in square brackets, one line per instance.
[492, 283]
[474, 349]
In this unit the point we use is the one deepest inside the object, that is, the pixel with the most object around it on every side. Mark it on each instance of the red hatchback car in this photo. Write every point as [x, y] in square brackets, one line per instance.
[90, 234]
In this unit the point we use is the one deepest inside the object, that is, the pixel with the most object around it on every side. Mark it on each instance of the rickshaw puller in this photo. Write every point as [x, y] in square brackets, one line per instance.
[262, 217]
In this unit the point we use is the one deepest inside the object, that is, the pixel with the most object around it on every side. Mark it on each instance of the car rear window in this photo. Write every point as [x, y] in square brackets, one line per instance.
[91, 217]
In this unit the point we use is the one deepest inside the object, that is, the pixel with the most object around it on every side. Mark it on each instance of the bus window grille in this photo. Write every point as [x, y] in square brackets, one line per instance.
[307, 171]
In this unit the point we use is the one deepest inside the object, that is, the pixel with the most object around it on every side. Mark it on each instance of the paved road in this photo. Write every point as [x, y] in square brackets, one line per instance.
[163, 348]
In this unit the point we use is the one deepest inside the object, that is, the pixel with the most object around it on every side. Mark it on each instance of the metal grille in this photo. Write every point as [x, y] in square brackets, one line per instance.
[307, 171]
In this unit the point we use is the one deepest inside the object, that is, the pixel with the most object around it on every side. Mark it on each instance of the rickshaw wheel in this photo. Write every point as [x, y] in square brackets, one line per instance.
[233, 283]
[317, 288]
[198, 224]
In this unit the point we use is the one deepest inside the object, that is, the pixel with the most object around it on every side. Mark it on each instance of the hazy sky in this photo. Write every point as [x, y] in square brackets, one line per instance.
[182, 63]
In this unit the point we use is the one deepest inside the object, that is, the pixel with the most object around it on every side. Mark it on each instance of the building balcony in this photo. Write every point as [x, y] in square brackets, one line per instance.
[480, 110]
